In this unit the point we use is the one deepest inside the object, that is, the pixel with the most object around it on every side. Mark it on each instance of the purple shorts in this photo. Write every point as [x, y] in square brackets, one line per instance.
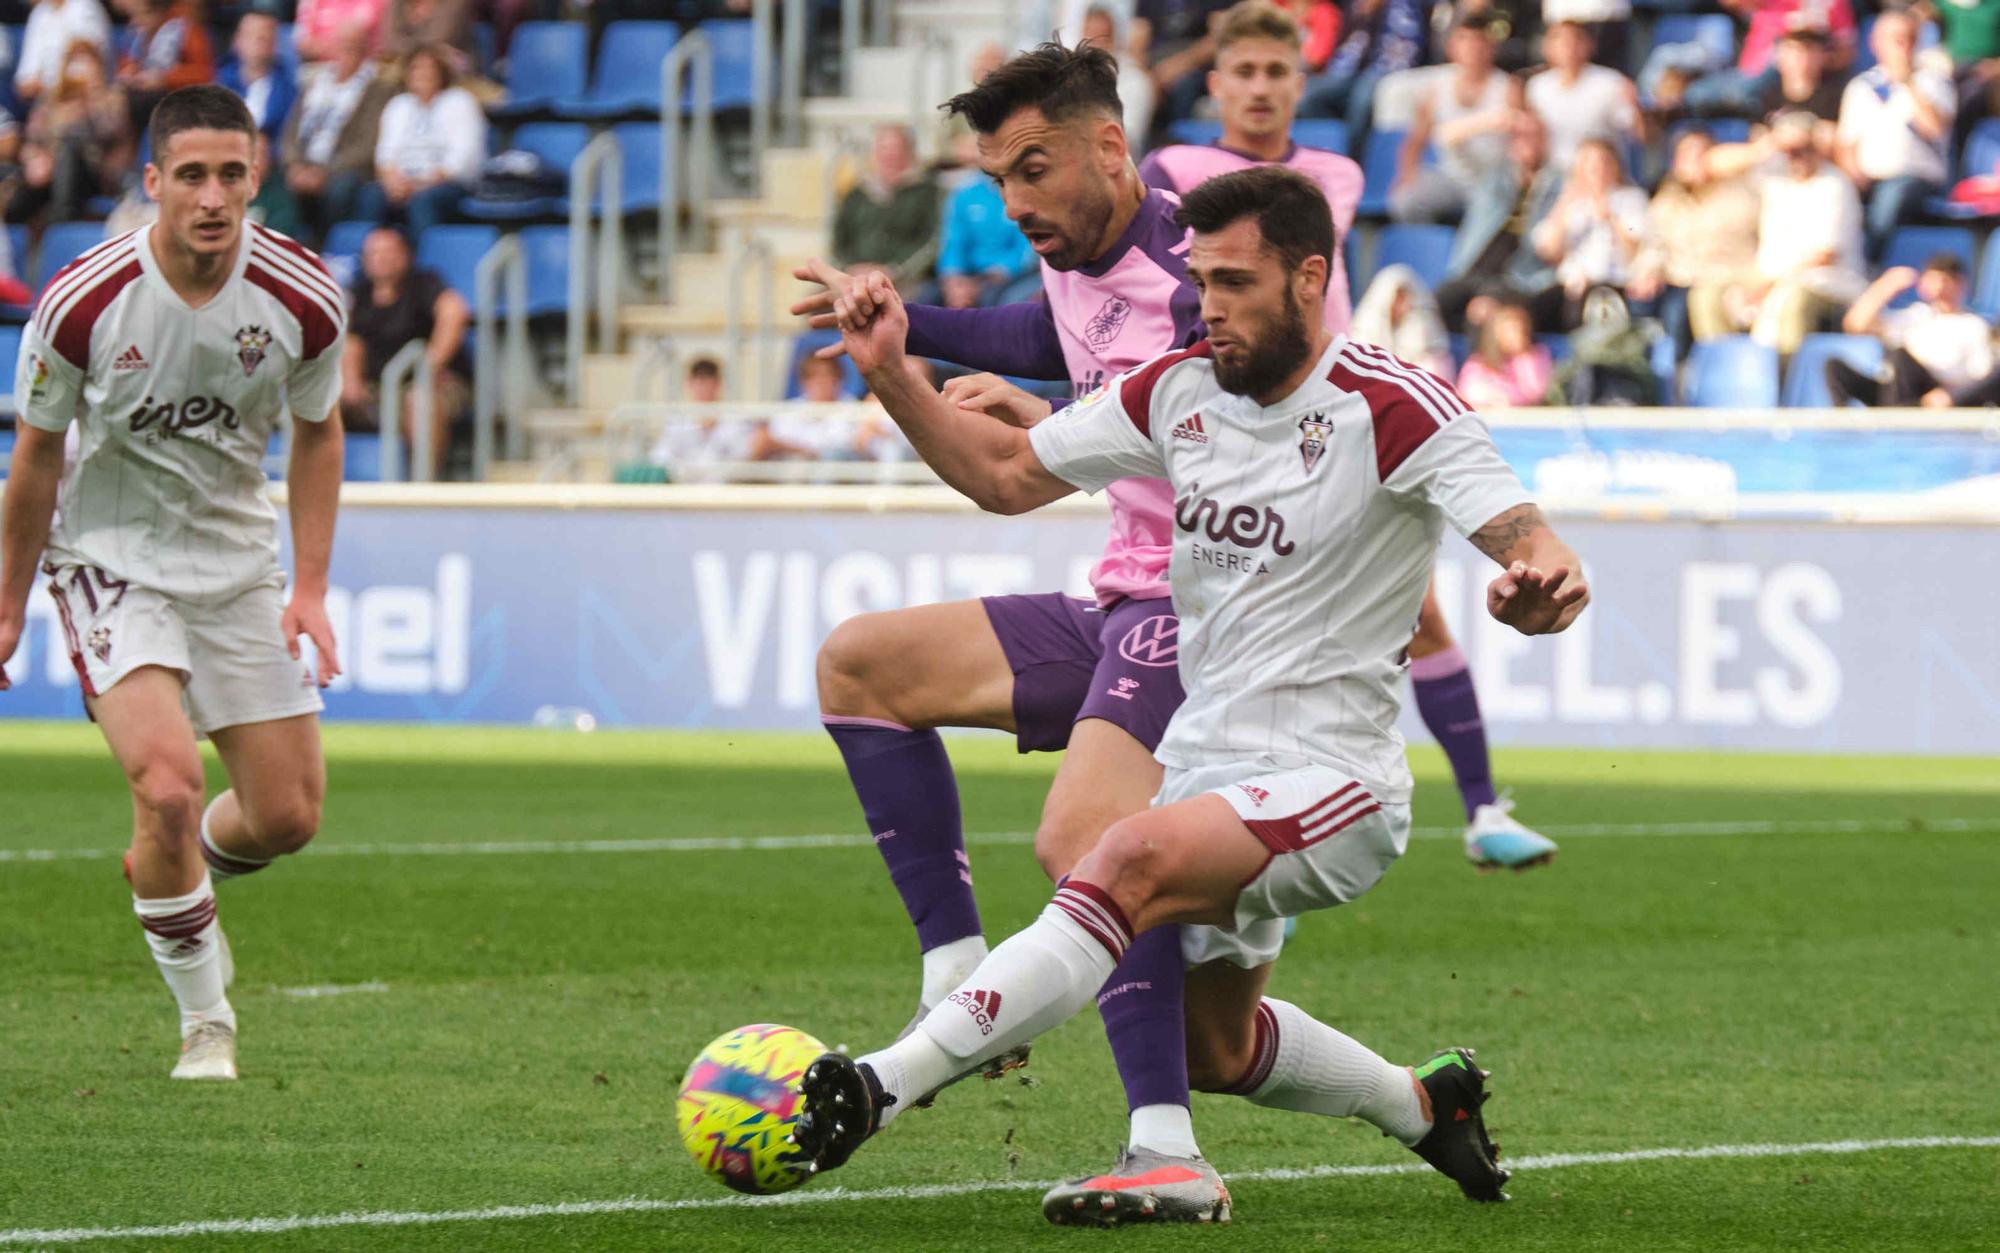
[1072, 660]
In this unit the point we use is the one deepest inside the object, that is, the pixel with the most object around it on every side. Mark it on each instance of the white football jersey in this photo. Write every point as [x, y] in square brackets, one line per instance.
[176, 405]
[1303, 540]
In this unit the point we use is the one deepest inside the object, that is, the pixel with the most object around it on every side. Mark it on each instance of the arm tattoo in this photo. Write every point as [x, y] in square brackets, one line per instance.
[1498, 538]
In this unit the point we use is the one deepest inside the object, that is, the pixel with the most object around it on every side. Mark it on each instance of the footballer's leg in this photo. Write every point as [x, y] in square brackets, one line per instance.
[1184, 862]
[277, 778]
[1271, 1052]
[887, 681]
[149, 733]
[1450, 709]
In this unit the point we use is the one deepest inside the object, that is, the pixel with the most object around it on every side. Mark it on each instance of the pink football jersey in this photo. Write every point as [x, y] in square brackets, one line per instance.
[1181, 167]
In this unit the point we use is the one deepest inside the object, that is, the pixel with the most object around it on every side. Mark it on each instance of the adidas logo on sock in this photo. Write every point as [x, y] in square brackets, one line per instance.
[130, 359]
[983, 1006]
[1190, 429]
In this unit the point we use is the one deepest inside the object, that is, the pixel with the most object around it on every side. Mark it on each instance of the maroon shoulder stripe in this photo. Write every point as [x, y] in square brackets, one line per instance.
[316, 328]
[1136, 392]
[71, 338]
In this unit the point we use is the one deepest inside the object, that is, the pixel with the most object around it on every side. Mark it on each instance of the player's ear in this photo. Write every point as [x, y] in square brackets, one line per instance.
[1112, 148]
[152, 182]
[1312, 276]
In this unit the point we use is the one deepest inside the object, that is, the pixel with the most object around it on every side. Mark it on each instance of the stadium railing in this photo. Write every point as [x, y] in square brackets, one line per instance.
[600, 162]
[693, 58]
[506, 263]
[411, 364]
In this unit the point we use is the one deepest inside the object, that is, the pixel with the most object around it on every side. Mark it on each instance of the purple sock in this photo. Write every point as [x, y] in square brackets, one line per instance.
[1142, 1009]
[1450, 708]
[910, 798]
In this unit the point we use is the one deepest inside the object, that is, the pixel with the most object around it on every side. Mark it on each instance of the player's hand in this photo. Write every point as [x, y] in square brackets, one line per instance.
[306, 615]
[817, 308]
[1534, 602]
[11, 626]
[873, 323]
[994, 396]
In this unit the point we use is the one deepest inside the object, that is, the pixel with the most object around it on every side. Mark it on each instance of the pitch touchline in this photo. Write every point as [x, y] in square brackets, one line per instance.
[823, 1196]
[775, 843]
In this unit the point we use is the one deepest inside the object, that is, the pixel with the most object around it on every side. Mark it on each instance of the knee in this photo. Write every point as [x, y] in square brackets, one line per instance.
[1063, 838]
[849, 672]
[169, 798]
[289, 827]
[1129, 864]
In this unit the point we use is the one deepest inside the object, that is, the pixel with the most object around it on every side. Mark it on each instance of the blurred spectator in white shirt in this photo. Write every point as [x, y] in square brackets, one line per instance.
[1936, 347]
[1577, 100]
[1895, 123]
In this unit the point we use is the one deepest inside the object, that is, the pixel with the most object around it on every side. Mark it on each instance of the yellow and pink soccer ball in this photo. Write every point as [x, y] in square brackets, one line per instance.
[738, 1104]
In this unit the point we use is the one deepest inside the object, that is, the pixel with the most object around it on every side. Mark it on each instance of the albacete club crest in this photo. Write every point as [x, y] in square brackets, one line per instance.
[1312, 441]
[251, 341]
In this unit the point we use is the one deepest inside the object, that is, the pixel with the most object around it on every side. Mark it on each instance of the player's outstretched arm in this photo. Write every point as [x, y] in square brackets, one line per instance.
[33, 478]
[313, 487]
[1542, 589]
[991, 463]
[1018, 339]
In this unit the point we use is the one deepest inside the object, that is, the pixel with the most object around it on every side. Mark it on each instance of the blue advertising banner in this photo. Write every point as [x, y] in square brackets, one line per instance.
[1794, 636]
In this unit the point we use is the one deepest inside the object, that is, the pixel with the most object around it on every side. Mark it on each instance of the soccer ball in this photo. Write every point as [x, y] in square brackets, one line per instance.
[738, 1103]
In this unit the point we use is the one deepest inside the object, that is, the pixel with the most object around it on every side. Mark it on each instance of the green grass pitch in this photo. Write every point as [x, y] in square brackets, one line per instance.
[1730, 951]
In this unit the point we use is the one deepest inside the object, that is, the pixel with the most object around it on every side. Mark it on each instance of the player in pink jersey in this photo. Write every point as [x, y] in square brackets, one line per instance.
[1101, 678]
[173, 350]
[1257, 83]
[1306, 526]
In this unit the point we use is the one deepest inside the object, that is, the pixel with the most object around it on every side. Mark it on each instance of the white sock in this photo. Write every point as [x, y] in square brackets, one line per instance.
[222, 865]
[182, 933]
[1167, 1129]
[1310, 1067]
[948, 965]
[1037, 979]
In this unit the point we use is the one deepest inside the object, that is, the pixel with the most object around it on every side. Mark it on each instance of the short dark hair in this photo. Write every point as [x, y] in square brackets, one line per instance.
[1061, 82]
[1947, 263]
[704, 368]
[1291, 211]
[203, 107]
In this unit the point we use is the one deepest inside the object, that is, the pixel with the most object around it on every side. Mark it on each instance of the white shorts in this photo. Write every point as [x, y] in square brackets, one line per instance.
[1328, 840]
[231, 657]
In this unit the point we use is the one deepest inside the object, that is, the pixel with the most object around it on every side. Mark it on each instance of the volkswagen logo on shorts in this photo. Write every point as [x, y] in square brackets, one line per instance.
[1154, 642]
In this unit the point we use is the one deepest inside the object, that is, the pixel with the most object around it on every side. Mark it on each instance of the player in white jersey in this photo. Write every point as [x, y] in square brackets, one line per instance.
[172, 349]
[1313, 477]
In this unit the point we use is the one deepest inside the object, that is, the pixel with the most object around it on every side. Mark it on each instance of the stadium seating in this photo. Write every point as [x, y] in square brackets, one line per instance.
[735, 53]
[1914, 245]
[62, 243]
[10, 351]
[363, 463]
[1732, 373]
[1724, 130]
[639, 190]
[1980, 157]
[1195, 130]
[1986, 286]
[1805, 377]
[547, 251]
[557, 143]
[1425, 249]
[1715, 32]
[1378, 167]
[454, 252]
[545, 63]
[626, 82]
[341, 250]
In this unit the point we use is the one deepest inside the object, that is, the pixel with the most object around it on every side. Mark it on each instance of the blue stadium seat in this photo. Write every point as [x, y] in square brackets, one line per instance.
[810, 342]
[547, 251]
[1979, 158]
[364, 457]
[1559, 346]
[1724, 130]
[1732, 373]
[1358, 272]
[1195, 130]
[288, 46]
[626, 82]
[1986, 287]
[10, 352]
[639, 142]
[1914, 245]
[1805, 377]
[1666, 369]
[482, 47]
[341, 250]
[546, 62]
[1378, 170]
[1321, 132]
[454, 252]
[735, 54]
[1715, 32]
[557, 143]
[1425, 249]
[62, 243]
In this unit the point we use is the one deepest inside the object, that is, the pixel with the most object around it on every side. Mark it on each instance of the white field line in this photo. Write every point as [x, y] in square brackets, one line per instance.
[787, 843]
[317, 990]
[822, 1196]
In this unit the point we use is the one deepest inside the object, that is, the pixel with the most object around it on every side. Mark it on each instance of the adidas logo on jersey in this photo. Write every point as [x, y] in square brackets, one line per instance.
[983, 1006]
[1190, 430]
[131, 359]
[1257, 795]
